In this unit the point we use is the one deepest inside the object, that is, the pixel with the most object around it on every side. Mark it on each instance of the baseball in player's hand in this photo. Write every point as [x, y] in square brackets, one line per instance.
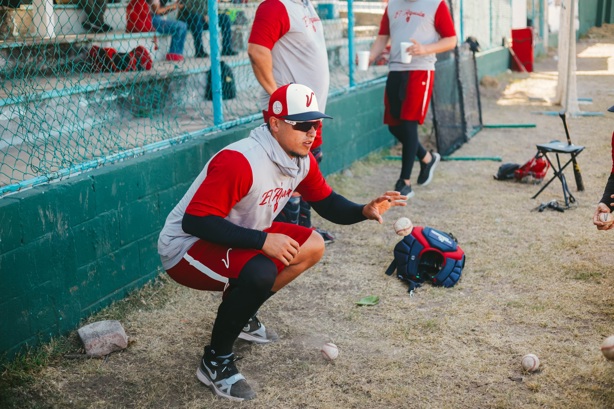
[598, 219]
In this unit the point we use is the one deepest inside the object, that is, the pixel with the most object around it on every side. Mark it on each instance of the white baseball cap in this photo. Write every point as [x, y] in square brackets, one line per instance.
[294, 102]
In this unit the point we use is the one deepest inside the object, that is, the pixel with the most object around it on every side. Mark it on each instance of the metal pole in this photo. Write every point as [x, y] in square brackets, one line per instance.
[351, 53]
[490, 22]
[216, 75]
[570, 50]
[461, 25]
[543, 30]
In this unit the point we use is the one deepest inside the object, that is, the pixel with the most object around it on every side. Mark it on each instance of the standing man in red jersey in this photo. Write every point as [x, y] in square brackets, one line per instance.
[427, 25]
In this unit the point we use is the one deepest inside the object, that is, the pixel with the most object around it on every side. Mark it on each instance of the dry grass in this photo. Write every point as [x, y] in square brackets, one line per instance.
[534, 283]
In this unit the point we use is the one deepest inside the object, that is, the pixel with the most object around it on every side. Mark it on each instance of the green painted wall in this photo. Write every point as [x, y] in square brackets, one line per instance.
[493, 62]
[70, 248]
[594, 13]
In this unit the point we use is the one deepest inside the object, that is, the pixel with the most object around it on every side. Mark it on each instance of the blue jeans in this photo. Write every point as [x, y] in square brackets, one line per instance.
[197, 24]
[177, 29]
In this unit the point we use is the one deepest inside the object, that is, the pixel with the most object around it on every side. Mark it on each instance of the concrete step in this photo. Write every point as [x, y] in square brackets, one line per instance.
[38, 108]
[67, 18]
[20, 23]
[68, 54]
[65, 54]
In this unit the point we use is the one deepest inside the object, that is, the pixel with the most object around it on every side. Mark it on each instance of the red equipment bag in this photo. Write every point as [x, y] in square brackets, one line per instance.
[109, 60]
[537, 168]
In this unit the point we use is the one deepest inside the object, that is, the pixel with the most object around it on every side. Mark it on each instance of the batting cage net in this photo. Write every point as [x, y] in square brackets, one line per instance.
[446, 105]
[468, 78]
[455, 103]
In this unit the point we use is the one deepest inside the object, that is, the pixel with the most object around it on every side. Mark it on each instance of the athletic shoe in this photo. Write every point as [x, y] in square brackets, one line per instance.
[255, 331]
[328, 238]
[106, 28]
[222, 376]
[404, 189]
[427, 169]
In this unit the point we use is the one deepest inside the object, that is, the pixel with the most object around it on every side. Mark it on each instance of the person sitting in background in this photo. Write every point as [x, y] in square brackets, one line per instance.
[94, 12]
[177, 29]
[194, 13]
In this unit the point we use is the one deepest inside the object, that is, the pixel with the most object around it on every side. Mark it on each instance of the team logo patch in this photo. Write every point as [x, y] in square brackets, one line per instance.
[309, 99]
[277, 107]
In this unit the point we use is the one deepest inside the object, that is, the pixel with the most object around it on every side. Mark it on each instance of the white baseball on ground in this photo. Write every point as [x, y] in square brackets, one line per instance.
[330, 351]
[607, 348]
[605, 217]
[530, 362]
[403, 226]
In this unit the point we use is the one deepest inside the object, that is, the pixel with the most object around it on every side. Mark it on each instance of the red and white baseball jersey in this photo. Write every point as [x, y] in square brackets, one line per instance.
[248, 183]
[293, 32]
[426, 21]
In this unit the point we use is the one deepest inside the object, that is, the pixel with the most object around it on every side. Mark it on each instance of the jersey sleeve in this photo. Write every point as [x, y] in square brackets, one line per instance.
[314, 187]
[443, 21]
[228, 180]
[384, 25]
[270, 24]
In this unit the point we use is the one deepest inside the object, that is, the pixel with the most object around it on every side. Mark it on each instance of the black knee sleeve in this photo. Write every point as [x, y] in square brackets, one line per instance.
[249, 291]
[259, 275]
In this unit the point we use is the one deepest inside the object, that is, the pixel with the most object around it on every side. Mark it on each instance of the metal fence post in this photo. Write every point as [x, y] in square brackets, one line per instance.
[216, 75]
[351, 53]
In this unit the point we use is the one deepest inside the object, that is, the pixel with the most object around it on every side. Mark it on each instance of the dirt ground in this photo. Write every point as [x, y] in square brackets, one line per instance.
[534, 282]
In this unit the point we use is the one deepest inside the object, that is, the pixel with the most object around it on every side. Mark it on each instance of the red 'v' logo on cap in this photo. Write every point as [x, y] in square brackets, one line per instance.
[309, 99]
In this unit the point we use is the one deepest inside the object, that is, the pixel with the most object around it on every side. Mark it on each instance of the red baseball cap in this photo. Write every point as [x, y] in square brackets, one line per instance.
[294, 102]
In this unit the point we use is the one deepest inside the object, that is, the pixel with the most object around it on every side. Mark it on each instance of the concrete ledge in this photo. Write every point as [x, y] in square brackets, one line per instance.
[493, 61]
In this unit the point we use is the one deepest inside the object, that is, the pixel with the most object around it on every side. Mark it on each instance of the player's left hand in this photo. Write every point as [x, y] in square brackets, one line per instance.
[377, 207]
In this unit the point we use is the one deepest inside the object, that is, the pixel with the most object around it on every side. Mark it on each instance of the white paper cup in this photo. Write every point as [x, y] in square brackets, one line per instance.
[405, 56]
[363, 60]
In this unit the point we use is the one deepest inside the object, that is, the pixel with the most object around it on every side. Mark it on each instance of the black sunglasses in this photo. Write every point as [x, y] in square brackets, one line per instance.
[304, 126]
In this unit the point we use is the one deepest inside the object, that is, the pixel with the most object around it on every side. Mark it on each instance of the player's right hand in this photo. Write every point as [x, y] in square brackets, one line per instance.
[377, 207]
[281, 247]
[602, 208]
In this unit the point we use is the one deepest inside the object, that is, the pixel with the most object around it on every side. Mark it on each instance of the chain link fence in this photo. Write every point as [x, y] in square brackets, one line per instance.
[78, 91]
